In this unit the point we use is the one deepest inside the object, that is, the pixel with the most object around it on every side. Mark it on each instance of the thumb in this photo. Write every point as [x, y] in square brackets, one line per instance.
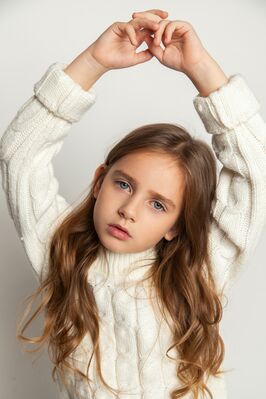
[143, 56]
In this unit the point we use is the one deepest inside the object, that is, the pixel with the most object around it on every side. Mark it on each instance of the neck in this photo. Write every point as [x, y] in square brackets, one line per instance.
[118, 266]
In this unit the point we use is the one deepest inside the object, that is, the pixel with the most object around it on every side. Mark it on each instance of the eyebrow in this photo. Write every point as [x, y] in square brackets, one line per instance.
[134, 182]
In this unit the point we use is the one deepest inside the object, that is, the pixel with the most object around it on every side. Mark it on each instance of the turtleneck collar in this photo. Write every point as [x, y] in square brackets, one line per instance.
[117, 266]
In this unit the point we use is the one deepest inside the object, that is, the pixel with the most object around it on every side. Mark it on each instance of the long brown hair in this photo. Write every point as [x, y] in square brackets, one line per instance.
[181, 275]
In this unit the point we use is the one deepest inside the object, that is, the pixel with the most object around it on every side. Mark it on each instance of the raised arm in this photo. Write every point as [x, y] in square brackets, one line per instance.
[27, 148]
[231, 114]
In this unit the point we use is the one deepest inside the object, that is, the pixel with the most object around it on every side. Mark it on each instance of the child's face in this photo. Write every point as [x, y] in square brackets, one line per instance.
[133, 207]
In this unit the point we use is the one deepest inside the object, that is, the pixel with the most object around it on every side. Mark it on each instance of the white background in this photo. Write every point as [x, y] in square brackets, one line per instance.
[35, 34]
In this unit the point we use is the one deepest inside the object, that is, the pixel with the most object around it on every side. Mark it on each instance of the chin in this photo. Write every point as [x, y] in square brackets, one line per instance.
[115, 245]
[106, 242]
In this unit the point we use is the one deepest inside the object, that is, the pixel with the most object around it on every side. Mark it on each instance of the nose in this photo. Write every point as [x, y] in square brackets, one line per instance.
[129, 210]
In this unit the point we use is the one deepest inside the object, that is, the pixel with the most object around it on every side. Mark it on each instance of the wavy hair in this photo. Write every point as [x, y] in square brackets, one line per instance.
[181, 275]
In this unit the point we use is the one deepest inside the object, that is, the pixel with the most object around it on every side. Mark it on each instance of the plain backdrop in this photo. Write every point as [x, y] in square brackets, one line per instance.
[34, 34]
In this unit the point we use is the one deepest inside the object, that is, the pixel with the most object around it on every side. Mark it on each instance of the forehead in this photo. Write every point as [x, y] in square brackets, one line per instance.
[158, 171]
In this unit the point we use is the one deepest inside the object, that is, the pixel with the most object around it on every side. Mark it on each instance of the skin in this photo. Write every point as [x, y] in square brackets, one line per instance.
[135, 209]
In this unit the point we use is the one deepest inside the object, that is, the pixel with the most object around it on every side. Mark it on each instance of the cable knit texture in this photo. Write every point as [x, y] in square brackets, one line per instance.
[133, 337]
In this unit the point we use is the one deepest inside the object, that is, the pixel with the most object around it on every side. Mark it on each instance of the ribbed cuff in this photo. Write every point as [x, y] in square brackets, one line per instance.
[62, 95]
[228, 106]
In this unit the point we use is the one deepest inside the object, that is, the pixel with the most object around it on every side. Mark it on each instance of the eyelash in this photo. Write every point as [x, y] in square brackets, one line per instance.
[162, 209]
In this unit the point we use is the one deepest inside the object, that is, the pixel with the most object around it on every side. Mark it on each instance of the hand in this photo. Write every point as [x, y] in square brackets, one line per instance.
[183, 49]
[116, 47]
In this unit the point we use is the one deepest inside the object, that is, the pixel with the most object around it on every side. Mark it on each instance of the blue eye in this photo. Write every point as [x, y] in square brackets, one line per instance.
[162, 209]
[119, 181]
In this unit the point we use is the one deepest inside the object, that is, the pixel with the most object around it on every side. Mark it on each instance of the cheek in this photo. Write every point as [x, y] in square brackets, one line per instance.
[154, 226]
[105, 201]
[112, 197]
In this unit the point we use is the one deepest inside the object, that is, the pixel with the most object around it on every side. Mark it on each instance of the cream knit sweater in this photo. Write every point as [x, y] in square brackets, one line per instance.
[133, 338]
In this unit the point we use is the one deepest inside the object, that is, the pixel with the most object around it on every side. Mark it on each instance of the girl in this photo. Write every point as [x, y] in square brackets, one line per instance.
[131, 279]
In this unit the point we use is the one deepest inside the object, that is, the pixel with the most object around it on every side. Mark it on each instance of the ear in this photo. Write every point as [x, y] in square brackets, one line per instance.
[98, 172]
[172, 233]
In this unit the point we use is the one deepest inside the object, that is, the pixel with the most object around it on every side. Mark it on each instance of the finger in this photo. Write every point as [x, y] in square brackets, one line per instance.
[169, 30]
[155, 50]
[178, 27]
[144, 23]
[159, 33]
[149, 16]
[140, 36]
[156, 11]
[143, 56]
[132, 26]
[131, 34]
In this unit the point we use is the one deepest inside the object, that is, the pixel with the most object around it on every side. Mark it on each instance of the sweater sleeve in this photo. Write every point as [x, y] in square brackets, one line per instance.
[231, 115]
[27, 147]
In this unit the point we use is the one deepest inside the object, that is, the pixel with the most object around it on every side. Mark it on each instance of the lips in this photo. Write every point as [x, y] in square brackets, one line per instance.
[121, 228]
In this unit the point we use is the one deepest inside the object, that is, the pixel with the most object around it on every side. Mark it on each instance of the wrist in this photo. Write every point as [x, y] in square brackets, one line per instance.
[92, 61]
[84, 70]
[207, 76]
